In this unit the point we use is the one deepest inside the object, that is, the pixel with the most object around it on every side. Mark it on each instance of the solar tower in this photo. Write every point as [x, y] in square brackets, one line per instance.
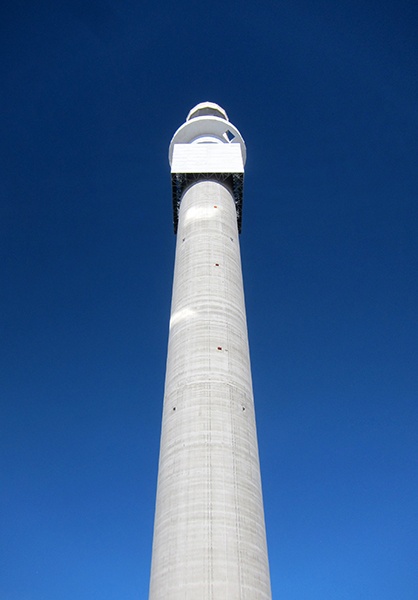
[209, 533]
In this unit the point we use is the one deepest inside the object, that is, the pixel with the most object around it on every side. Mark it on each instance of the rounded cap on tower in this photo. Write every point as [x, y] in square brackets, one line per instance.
[207, 123]
[207, 109]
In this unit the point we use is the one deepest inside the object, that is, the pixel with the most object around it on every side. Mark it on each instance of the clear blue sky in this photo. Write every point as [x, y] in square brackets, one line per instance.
[325, 94]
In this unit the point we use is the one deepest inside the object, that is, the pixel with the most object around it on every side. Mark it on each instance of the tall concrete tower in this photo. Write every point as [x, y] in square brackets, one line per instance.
[209, 533]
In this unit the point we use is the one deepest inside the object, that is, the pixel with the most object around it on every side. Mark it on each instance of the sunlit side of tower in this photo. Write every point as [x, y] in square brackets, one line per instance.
[209, 532]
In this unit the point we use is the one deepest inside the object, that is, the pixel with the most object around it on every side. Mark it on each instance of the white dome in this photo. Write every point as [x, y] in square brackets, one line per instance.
[207, 109]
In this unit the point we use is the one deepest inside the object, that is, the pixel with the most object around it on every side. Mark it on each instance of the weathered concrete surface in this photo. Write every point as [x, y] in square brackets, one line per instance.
[209, 537]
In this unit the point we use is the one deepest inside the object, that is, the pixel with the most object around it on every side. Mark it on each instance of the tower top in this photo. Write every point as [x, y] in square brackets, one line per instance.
[207, 146]
[208, 123]
[207, 108]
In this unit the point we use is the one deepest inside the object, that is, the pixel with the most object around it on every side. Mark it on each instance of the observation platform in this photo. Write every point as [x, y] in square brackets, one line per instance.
[207, 147]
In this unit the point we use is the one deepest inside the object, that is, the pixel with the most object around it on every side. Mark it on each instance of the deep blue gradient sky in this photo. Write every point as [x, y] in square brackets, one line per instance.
[326, 96]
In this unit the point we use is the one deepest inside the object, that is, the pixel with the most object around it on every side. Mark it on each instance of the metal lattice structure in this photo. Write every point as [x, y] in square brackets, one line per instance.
[181, 181]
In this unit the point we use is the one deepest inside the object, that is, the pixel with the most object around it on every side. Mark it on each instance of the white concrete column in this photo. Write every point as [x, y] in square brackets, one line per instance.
[209, 536]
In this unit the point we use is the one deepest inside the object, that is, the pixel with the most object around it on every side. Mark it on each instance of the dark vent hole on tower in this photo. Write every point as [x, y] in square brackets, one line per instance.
[216, 264]
[215, 206]
[174, 408]
[219, 347]
[243, 408]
